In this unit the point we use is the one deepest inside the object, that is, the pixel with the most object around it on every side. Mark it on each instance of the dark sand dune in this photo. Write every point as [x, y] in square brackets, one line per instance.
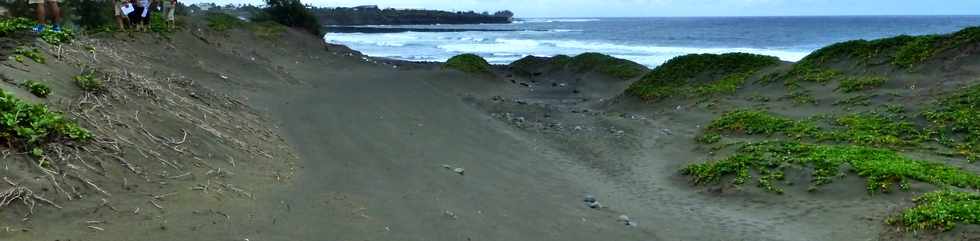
[376, 143]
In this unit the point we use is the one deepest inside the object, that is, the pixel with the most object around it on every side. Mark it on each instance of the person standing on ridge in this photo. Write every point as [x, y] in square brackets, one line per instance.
[117, 5]
[171, 9]
[42, 15]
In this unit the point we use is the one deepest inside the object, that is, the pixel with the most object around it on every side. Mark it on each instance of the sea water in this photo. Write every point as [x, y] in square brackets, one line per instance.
[649, 41]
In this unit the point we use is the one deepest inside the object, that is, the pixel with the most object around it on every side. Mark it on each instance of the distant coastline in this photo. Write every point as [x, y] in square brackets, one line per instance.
[373, 15]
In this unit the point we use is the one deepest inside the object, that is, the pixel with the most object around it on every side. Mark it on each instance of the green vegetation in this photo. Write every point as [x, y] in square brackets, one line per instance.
[757, 98]
[859, 100]
[757, 122]
[57, 38]
[872, 129]
[10, 26]
[860, 83]
[291, 13]
[727, 85]
[33, 54]
[808, 73]
[902, 51]
[619, 68]
[159, 25]
[267, 30]
[469, 63]
[88, 82]
[36, 88]
[709, 138]
[695, 74]
[941, 210]
[801, 97]
[882, 168]
[956, 122]
[30, 125]
[219, 21]
[93, 15]
[877, 129]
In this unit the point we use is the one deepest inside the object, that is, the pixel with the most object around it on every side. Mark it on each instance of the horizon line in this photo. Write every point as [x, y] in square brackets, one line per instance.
[738, 16]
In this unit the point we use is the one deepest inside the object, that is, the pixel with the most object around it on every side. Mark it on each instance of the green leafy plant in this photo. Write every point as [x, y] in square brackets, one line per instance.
[30, 125]
[57, 38]
[33, 54]
[88, 82]
[469, 63]
[36, 88]
[940, 210]
[9, 26]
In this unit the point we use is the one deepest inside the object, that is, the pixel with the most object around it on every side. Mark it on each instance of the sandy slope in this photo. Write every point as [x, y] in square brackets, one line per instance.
[372, 141]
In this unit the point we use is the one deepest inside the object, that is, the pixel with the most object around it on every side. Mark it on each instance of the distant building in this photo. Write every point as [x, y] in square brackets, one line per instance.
[367, 8]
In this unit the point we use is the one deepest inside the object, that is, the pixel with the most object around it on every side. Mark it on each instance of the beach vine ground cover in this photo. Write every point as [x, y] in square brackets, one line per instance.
[619, 68]
[724, 73]
[941, 210]
[881, 168]
[31, 125]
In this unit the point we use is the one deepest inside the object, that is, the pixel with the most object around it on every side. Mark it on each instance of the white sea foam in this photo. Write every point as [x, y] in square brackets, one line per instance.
[557, 20]
[505, 47]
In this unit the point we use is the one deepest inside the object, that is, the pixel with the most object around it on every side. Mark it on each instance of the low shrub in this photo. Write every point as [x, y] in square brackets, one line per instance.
[469, 63]
[291, 13]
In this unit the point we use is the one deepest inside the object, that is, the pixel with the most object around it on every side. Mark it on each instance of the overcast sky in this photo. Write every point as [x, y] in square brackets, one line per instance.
[636, 8]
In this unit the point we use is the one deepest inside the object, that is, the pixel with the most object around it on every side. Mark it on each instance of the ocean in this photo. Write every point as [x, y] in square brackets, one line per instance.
[649, 41]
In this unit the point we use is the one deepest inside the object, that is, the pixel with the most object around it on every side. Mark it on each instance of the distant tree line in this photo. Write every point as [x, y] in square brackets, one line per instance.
[371, 15]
